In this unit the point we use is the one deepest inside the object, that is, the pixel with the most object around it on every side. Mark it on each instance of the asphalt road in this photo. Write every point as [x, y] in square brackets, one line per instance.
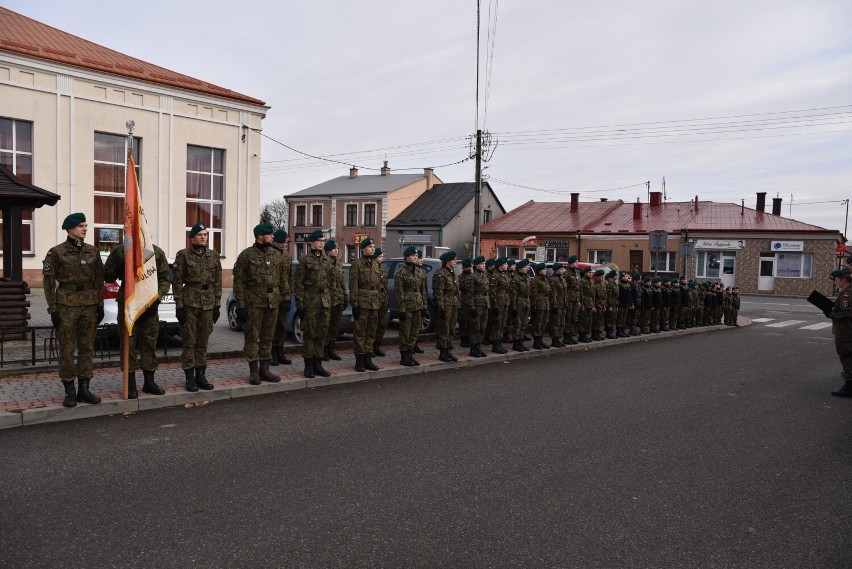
[713, 450]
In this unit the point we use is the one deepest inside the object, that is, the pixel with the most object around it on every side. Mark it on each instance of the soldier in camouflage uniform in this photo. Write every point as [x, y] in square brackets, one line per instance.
[572, 301]
[656, 304]
[735, 305]
[647, 305]
[311, 286]
[365, 294]
[338, 298]
[259, 277]
[146, 329]
[519, 300]
[509, 330]
[408, 287]
[498, 291]
[539, 305]
[636, 293]
[611, 314]
[841, 326]
[424, 302]
[464, 312]
[74, 289]
[475, 290]
[445, 297]
[625, 306]
[558, 292]
[198, 292]
[382, 320]
[587, 305]
[599, 288]
[674, 303]
[280, 243]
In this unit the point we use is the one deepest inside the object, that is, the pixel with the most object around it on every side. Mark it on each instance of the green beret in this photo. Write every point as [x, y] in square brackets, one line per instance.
[490, 262]
[666, 280]
[523, 263]
[316, 235]
[479, 259]
[419, 253]
[263, 229]
[377, 252]
[691, 284]
[647, 278]
[510, 261]
[540, 266]
[280, 236]
[674, 278]
[636, 276]
[448, 256]
[73, 220]
[611, 274]
[587, 270]
[196, 228]
[501, 261]
[330, 244]
[573, 259]
[840, 273]
[409, 251]
[367, 242]
[557, 266]
[656, 280]
[599, 272]
[467, 262]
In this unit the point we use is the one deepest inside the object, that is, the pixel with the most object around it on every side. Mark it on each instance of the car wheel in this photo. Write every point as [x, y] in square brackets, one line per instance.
[427, 323]
[233, 323]
[298, 334]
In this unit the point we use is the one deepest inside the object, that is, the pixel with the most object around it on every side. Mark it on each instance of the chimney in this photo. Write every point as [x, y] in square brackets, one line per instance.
[656, 199]
[604, 199]
[430, 177]
[385, 169]
[776, 206]
[637, 210]
[696, 204]
[575, 202]
[353, 172]
[761, 202]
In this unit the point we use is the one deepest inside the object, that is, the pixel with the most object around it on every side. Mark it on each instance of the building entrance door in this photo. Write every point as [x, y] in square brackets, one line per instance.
[728, 276]
[636, 261]
[766, 274]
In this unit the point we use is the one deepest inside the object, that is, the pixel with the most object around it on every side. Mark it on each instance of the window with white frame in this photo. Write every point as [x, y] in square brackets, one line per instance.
[205, 191]
[663, 261]
[316, 215]
[794, 265]
[600, 256]
[351, 215]
[369, 215]
[512, 252]
[709, 263]
[110, 162]
[559, 254]
[16, 155]
[529, 253]
[351, 253]
[301, 216]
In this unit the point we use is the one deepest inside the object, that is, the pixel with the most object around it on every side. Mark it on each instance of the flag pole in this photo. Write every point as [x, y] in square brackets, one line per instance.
[125, 337]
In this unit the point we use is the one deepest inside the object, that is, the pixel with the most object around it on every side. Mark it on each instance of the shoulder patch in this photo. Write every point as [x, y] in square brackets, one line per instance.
[46, 266]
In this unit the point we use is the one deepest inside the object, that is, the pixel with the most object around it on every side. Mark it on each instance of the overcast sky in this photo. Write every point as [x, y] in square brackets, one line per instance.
[723, 99]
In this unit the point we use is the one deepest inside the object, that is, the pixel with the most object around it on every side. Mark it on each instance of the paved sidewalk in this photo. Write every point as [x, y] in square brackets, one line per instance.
[32, 398]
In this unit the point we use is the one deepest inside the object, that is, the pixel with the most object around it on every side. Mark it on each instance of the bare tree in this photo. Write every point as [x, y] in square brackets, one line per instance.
[275, 212]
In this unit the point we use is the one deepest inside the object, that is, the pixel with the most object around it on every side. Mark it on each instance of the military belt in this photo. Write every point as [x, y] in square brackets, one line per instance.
[76, 287]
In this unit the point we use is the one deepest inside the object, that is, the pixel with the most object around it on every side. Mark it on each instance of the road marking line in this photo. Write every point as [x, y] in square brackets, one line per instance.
[763, 319]
[817, 326]
[785, 323]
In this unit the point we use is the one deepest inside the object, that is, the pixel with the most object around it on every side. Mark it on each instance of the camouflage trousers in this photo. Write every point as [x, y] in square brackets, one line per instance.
[258, 331]
[610, 318]
[280, 336]
[446, 327]
[365, 331]
[497, 317]
[572, 313]
[674, 316]
[557, 322]
[195, 334]
[623, 318]
[381, 324]
[143, 343]
[315, 331]
[335, 314]
[584, 321]
[478, 317]
[463, 320]
[597, 319]
[645, 320]
[522, 316]
[77, 328]
[409, 329]
[539, 322]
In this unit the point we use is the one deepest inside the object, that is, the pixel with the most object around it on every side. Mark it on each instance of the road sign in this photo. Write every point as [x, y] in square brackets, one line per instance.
[658, 240]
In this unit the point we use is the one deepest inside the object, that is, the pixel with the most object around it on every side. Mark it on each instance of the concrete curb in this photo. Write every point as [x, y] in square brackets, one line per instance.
[234, 389]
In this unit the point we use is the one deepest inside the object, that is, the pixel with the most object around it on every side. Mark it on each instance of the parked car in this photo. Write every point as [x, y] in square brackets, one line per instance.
[394, 264]
[167, 309]
[294, 323]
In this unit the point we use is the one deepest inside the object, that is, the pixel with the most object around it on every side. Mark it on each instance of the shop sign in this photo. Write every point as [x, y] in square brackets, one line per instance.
[719, 244]
[788, 245]
[360, 237]
[416, 239]
[557, 243]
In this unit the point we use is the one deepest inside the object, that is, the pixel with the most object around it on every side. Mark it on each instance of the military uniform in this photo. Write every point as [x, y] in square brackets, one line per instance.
[572, 302]
[446, 298]
[146, 329]
[311, 286]
[475, 289]
[612, 308]
[408, 287]
[656, 304]
[540, 306]
[498, 291]
[600, 293]
[464, 311]
[841, 327]
[625, 307]
[519, 300]
[382, 319]
[73, 279]
[558, 291]
[279, 338]
[365, 294]
[338, 299]
[587, 306]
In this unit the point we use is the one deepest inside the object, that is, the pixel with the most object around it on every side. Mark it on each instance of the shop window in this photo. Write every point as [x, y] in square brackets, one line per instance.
[16, 155]
[205, 190]
[794, 265]
[663, 261]
[600, 256]
[110, 163]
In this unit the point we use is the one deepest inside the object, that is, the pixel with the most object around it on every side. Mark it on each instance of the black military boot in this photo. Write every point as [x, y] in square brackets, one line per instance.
[191, 385]
[516, 347]
[555, 342]
[332, 355]
[325, 357]
[282, 357]
[450, 354]
[596, 335]
[201, 378]
[83, 393]
[497, 348]
[359, 364]
[70, 394]
[309, 367]
[377, 350]
[254, 376]
[845, 391]
[405, 358]
[267, 375]
[584, 338]
[132, 392]
[411, 358]
[473, 352]
[537, 343]
[319, 370]
[464, 342]
[149, 385]
[417, 349]
[274, 361]
[368, 363]
[610, 334]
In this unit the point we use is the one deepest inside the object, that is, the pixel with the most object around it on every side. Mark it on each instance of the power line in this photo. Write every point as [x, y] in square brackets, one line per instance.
[492, 38]
[563, 192]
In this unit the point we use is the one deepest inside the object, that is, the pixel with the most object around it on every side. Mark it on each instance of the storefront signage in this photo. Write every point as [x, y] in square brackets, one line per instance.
[719, 244]
[416, 239]
[557, 243]
[788, 245]
[540, 254]
[301, 237]
[360, 237]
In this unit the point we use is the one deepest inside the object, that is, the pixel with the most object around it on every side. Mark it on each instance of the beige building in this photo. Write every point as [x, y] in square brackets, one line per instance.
[65, 104]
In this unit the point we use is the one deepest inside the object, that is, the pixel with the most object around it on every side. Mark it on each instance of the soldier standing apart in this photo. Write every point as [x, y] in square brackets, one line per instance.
[841, 327]
[612, 308]
[558, 291]
[539, 305]
[198, 292]
[313, 302]
[382, 320]
[259, 277]
[445, 296]
[279, 241]
[498, 290]
[572, 304]
[365, 284]
[519, 300]
[408, 289]
[143, 342]
[73, 276]
[587, 304]
[338, 298]
[735, 305]
[476, 290]
[464, 312]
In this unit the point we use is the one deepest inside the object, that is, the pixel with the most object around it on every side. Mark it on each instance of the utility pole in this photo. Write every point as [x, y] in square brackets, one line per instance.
[477, 201]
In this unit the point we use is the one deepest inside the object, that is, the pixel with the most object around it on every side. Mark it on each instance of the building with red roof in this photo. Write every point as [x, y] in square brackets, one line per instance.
[66, 107]
[753, 249]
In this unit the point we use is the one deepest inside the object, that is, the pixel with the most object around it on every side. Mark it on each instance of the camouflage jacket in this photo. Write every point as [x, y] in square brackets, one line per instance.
[114, 271]
[197, 278]
[408, 287]
[572, 285]
[558, 289]
[337, 290]
[259, 277]
[365, 284]
[476, 289]
[519, 291]
[540, 293]
[445, 288]
[498, 288]
[587, 293]
[312, 281]
[73, 275]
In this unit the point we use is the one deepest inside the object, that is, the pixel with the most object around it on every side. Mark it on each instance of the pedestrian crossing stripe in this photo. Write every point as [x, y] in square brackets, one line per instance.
[817, 326]
[785, 323]
[763, 320]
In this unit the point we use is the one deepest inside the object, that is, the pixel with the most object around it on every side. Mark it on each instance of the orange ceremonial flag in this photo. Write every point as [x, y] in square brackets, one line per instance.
[140, 266]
